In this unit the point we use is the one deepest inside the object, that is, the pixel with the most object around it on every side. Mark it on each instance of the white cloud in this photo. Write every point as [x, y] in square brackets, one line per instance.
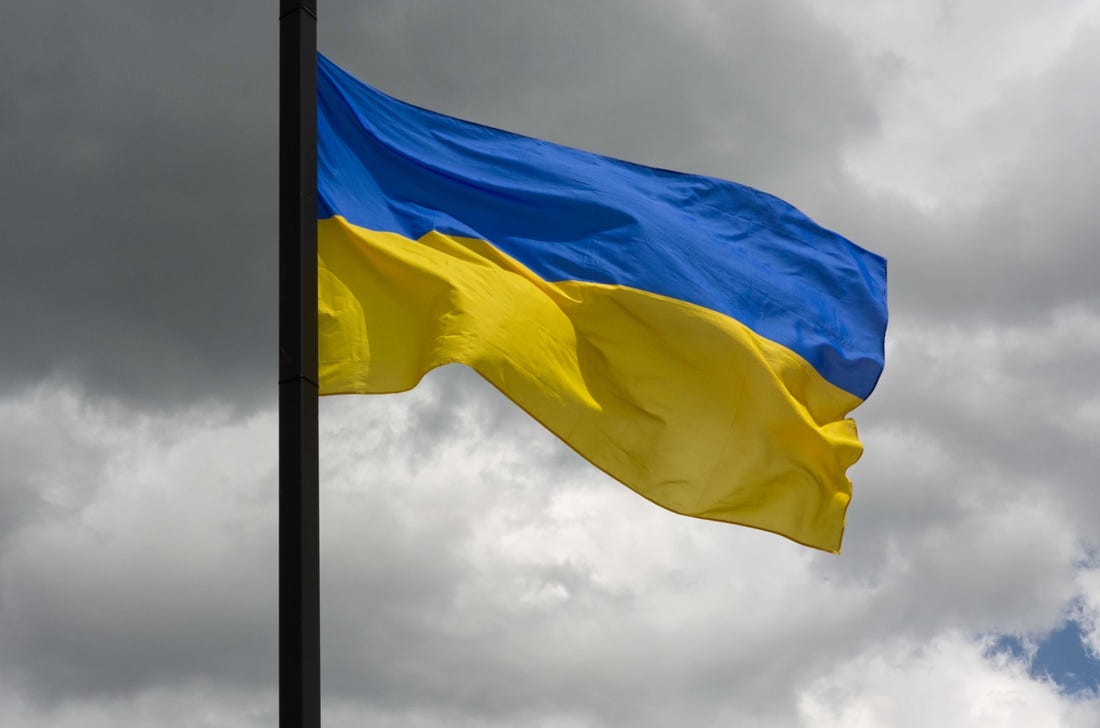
[155, 565]
[946, 682]
[948, 65]
[479, 552]
[1088, 608]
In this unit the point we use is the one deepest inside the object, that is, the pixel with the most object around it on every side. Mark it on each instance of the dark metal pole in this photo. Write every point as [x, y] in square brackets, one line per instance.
[299, 589]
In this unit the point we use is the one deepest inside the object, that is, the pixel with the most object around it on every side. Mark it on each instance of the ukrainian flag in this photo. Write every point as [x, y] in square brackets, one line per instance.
[700, 341]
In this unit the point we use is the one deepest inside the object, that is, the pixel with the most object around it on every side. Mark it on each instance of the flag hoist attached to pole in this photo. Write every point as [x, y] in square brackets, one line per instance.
[700, 341]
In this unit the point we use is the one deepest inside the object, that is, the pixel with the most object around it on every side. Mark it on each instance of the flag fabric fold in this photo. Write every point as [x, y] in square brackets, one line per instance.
[700, 341]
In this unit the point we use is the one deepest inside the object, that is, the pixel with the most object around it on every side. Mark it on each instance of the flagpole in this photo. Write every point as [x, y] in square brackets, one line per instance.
[299, 589]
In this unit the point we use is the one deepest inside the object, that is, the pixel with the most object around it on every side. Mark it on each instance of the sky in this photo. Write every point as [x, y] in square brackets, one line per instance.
[476, 573]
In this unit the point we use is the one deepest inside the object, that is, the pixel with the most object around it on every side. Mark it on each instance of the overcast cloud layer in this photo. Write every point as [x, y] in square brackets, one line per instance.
[475, 571]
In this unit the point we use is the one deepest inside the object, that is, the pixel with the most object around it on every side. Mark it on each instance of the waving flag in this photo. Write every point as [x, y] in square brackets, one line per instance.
[700, 341]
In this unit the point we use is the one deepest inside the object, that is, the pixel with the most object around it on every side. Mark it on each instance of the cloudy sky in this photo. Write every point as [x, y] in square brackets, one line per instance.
[477, 573]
